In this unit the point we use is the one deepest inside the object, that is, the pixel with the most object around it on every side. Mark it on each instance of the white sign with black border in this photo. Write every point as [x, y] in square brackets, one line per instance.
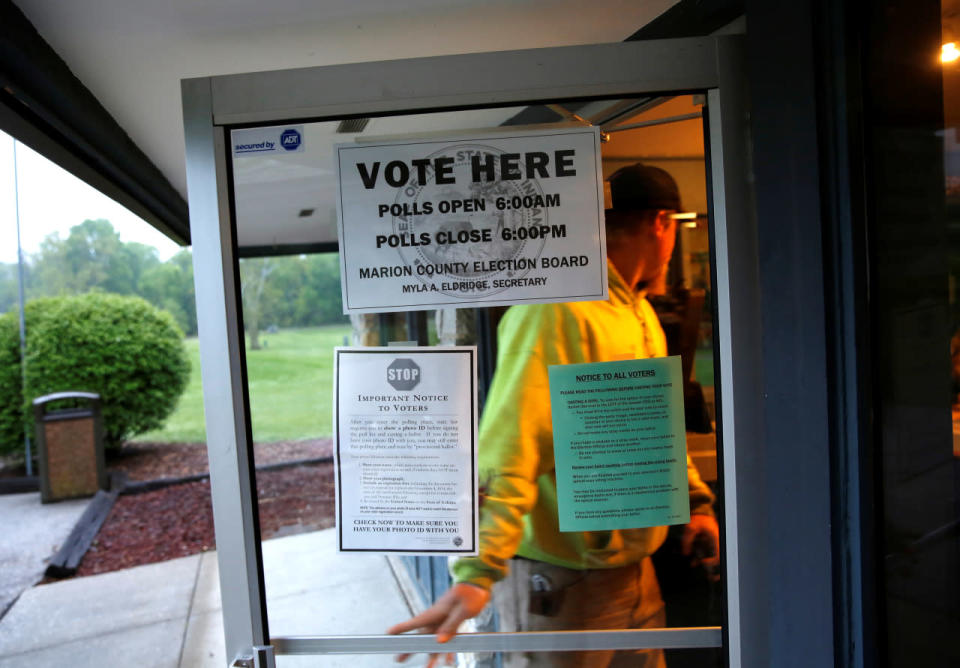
[476, 220]
[405, 437]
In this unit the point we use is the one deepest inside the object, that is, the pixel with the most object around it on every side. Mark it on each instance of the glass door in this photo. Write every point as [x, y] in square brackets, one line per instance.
[673, 107]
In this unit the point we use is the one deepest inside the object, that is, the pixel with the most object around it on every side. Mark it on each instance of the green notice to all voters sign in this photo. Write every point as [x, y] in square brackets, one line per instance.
[620, 444]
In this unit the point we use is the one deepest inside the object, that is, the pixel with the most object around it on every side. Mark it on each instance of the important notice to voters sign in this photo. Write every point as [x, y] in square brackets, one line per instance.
[405, 447]
[620, 444]
[479, 220]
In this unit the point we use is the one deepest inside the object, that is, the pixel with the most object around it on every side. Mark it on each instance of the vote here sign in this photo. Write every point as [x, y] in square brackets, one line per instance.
[483, 220]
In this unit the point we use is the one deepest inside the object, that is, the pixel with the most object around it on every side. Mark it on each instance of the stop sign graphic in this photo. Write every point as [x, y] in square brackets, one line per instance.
[403, 374]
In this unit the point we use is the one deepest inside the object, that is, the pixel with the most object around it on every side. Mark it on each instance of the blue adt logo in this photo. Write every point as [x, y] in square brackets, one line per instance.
[290, 140]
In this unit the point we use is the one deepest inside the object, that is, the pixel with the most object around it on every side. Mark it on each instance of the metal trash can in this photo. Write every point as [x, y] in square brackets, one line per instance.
[69, 446]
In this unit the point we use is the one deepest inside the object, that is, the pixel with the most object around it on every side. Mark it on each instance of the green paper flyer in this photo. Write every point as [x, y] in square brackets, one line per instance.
[620, 444]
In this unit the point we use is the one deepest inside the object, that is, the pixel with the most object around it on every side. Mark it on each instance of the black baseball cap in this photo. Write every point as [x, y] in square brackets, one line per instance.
[643, 187]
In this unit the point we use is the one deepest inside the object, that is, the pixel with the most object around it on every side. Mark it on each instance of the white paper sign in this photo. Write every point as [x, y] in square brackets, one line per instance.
[405, 422]
[482, 220]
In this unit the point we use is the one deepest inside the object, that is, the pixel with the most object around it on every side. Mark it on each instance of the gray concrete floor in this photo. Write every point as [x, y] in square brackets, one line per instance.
[168, 615]
[30, 533]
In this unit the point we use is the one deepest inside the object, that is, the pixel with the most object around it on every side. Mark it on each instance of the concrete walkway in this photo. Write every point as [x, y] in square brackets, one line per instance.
[168, 615]
[30, 533]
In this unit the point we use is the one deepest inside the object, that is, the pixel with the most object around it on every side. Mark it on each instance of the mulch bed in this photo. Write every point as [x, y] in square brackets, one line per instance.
[148, 461]
[177, 520]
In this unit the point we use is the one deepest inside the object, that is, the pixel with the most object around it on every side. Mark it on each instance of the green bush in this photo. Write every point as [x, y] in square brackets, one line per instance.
[122, 348]
[11, 399]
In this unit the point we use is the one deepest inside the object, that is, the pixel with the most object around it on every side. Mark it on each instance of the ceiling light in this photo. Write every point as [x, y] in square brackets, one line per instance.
[686, 215]
[949, 52]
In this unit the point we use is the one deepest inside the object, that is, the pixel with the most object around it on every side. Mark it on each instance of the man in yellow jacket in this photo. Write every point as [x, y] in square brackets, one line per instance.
[543, 579]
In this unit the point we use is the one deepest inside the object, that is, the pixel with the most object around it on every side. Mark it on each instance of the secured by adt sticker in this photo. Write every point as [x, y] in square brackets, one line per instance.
[256, 141]
[290, 140]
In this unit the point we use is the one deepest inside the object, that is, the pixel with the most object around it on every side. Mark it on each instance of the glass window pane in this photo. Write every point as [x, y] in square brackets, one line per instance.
[914, 115]
[285, 204]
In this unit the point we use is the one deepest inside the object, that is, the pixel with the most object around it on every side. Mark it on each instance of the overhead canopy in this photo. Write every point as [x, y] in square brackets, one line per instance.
[94, 85]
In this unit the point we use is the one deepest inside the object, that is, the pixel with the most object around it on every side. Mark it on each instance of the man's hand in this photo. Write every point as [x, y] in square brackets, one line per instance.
[701, 538]
[459, 603]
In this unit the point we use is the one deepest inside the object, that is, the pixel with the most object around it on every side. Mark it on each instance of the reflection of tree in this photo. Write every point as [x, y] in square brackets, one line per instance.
[170, 286]
[253, 281]
[300, 291]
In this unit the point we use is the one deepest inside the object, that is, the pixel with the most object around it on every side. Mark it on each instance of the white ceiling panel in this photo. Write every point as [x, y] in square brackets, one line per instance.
[132, 54]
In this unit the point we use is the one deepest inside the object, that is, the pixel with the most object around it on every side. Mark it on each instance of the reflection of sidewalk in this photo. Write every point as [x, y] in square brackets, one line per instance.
[31, 533]
[168, 614]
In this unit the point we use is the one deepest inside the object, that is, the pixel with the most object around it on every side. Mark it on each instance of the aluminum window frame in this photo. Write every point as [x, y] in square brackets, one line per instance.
[213, 105]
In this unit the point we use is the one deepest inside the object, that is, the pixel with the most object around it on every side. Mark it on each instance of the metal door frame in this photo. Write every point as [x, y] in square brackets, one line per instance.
[714, 65]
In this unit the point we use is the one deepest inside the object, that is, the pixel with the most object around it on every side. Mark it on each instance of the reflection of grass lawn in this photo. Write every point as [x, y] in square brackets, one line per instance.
[291, 388]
